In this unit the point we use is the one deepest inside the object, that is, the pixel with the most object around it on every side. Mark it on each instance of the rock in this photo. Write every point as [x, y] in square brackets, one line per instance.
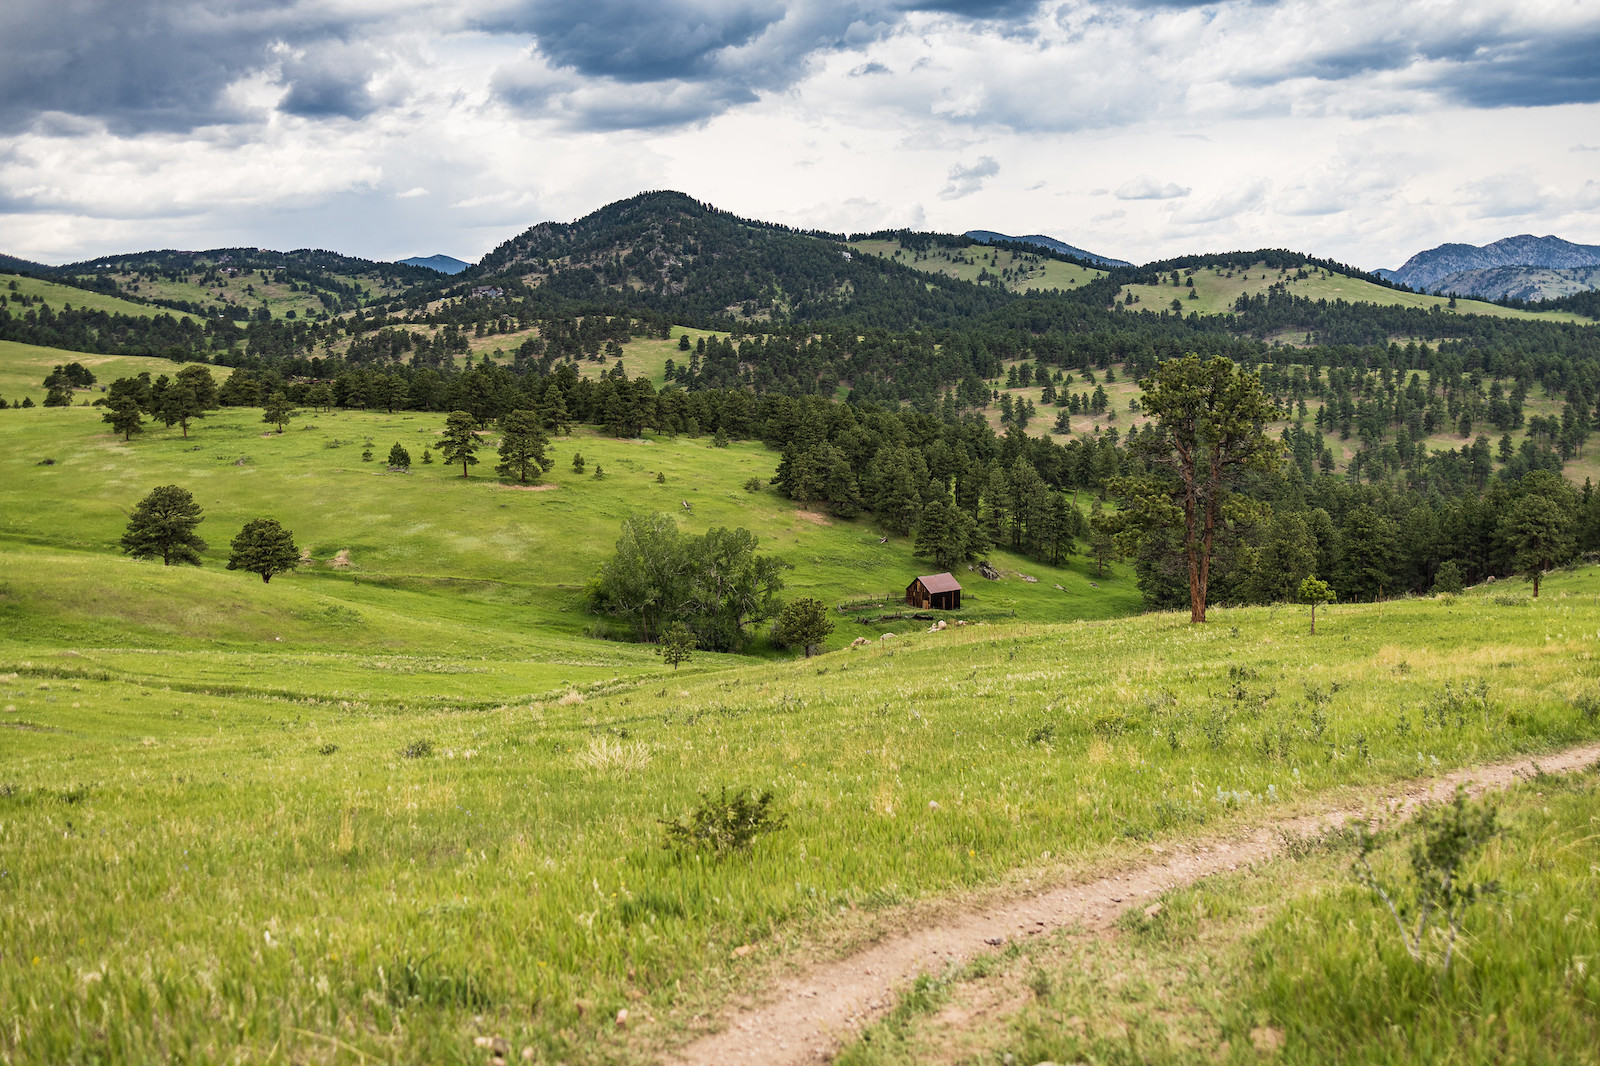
[584, 1006]
[527, 1054]
[887, 636]
[622, 1018]
[860, 642]
[1266, 1039]
[994, 941]
[933, 805]
[742, 950]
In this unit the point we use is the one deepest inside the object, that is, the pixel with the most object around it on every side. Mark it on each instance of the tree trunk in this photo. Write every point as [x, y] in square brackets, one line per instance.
[1313, 619]
[1536, 576]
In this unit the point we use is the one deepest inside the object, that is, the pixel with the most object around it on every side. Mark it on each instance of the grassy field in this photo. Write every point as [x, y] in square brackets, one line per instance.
[23, 368]
[1297, 961]
[1022, 272]
[58, 296]
[1216, 293]
[343, 857]
[361, 522]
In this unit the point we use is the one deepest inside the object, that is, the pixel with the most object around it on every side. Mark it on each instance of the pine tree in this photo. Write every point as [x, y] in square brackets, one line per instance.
[277, 410]
[123, 416]
[399, 458]
[677, 643]
[179, 407]
[522, 446]
[805, 622]
[163, 525]
[460, 440]
[264, 547]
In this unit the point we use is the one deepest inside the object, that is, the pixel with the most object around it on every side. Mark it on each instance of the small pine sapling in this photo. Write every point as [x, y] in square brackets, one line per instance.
[1314, 591]
[678, 645]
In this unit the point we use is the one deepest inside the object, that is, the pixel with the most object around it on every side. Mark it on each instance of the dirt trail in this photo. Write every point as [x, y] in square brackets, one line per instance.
[805, 1019]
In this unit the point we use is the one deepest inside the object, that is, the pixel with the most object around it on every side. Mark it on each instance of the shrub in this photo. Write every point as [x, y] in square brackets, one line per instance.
[417, 749]
[724, 824]
[752, 484]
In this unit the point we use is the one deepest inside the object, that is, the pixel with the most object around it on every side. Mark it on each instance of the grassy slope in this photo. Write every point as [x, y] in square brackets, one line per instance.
[248, 862]
[279, 299]
[432, 524]
[57, 296]
[1031, 272]
[23, 368]
[1217, 294]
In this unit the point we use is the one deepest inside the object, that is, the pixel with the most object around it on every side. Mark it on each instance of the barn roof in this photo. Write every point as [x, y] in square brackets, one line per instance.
[940, 583]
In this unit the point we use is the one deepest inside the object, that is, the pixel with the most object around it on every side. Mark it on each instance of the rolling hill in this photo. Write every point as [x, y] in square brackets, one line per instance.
[985, 236]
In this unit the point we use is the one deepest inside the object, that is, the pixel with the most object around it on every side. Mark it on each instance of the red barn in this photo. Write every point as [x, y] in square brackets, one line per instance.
[941, 592]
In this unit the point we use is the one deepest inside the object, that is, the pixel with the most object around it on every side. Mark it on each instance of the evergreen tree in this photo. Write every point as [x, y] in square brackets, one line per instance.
[522, 446]
[264, 547]
[200, 382]
[577, 462]
[278, 410]
[1102, 539]
[678, 642]
[1212, 414]
[1314, 592]
[163, 525]
[805, 623]
[179, 407]
[123, 416]
[1539, 533]
[399, 458]
[460, 440]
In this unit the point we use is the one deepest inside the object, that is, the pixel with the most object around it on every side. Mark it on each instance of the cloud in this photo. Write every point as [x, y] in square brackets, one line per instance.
[1228, 205]
[966, 180]
[869, 68]
[411, 193]
[1147, 188]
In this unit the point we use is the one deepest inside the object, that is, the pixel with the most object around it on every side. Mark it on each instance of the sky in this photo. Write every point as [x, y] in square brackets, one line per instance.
[1363, 131]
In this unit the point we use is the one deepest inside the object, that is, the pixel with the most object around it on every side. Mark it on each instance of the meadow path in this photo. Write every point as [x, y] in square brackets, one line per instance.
[806, 1018]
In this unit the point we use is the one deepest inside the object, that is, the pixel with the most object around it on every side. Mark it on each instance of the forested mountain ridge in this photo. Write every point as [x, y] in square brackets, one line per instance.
[668, 253]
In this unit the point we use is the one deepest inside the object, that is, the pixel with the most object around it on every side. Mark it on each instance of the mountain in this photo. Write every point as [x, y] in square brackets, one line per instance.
[444, 264]
[673, 255]
[1469, 265]
[1530, 283]
[989, 236]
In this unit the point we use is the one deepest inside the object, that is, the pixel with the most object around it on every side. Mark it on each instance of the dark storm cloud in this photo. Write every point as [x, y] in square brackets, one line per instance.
[1528, 73]
[166, 65]
[163, 65]
[640, 40]
[699, 56]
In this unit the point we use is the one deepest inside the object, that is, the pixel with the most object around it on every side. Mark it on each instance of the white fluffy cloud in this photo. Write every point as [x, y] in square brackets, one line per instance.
[1134, 129]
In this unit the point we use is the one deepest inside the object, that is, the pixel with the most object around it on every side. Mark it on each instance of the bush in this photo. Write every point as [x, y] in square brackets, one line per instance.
[724, 824]
[752, 485]
[417, 749]
[1449, 579]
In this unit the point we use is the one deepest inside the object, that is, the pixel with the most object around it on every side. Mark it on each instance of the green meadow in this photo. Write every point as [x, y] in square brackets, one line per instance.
[1217, 290]
[58, 296]
[332, 854]
[403, 798]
